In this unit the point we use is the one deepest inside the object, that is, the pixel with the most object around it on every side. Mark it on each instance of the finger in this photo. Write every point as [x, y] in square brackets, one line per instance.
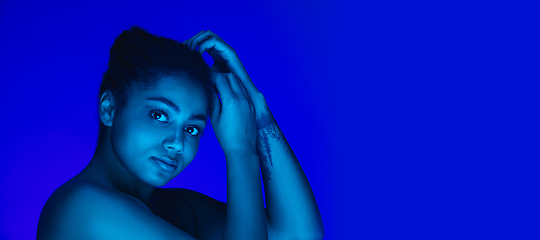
[214, 47]
[205, 35]
[237, 86]
[186, 42]
[199, 39]
[246, 80]
[216, 112]
[215, 35]
[208, 35]
[243, 90]
[219, 52]
[240, 85]
[224, 87]
[190, 40]
[207, 44]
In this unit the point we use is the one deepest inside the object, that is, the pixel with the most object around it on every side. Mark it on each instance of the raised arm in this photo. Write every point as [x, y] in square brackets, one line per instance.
[233, 121]
[245, 206]
[291, 208]
[290, 204]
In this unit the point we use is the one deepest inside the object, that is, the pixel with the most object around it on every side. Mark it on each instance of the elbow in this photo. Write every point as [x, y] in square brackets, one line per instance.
[314, 233]
[317, 235]
[320, 234]
[311, 235]
[299, 232]
[305, 235]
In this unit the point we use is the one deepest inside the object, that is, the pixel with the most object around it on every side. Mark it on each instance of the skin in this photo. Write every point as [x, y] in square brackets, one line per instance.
[122, 164]
[122, 160]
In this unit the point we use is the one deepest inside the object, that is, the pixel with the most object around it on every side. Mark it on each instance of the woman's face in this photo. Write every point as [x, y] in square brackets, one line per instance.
[163, 124]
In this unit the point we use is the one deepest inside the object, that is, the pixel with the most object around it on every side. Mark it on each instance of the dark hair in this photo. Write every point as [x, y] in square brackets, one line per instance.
[139, 60]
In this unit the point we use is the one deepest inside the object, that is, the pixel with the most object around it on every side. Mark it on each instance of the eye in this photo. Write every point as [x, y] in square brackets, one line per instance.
[193, 129]
[159, 115]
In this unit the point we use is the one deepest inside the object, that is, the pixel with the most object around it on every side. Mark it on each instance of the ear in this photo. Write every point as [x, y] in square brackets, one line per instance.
[106, 108]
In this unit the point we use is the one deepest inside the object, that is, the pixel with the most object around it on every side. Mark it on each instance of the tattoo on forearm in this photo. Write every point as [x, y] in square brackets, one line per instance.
[268, 129]
[272, 131]
[263, 146]
[264, 161]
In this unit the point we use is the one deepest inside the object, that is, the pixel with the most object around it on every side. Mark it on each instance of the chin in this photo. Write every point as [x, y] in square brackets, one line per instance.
[160, 180]
[157, 182]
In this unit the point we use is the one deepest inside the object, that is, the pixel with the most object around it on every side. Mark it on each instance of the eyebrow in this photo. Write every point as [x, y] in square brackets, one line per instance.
[170, 104]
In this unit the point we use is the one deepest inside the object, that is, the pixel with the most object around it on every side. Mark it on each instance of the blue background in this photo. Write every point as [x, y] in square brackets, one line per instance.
[384, 104]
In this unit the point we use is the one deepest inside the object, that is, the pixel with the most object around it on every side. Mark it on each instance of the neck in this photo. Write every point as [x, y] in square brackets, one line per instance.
[106, 170]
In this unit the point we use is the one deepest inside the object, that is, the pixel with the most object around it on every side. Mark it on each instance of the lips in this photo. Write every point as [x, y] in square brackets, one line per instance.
[167, 160]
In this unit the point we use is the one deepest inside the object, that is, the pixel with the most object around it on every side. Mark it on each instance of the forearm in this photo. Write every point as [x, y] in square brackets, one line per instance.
[246, 218]
[290, 204]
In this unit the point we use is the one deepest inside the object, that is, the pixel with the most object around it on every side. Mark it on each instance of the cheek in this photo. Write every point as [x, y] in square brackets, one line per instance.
[132, 139]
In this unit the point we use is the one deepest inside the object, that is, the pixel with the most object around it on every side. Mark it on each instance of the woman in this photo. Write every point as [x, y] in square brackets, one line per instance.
[154, 103]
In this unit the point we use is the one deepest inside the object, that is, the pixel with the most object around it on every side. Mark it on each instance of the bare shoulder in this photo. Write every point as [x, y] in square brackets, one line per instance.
[209, 214]
[89, 211]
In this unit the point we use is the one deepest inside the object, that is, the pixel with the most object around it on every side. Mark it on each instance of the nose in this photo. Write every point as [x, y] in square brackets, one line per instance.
[174, 143]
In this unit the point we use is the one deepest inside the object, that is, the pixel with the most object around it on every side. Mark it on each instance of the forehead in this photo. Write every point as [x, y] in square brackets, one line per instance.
[185, 93]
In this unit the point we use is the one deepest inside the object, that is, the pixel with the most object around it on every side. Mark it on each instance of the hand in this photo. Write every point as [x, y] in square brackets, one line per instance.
[226, 61]
[234, 121]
